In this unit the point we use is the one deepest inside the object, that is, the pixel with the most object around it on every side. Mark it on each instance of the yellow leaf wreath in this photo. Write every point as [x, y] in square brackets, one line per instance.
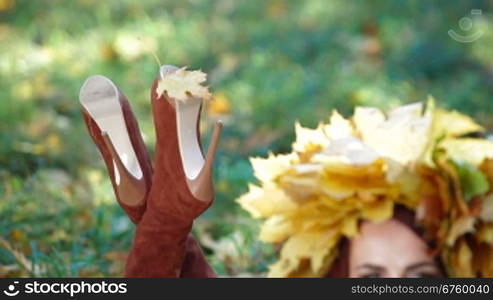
[348, 170]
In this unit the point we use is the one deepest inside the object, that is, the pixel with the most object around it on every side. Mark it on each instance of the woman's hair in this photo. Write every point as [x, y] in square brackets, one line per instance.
[340, 267]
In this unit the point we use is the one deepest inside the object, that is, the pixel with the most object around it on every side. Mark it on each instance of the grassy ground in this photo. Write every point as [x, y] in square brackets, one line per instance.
[270, 62]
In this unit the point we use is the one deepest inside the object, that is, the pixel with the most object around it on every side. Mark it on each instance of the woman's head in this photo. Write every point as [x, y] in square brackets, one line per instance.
[392, 248]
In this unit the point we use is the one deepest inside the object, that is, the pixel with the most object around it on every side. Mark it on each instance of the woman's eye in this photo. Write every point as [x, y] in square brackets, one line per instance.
[371, 275]
[423, 275]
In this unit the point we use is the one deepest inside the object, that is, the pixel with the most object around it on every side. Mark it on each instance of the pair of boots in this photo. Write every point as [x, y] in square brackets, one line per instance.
[162, 202]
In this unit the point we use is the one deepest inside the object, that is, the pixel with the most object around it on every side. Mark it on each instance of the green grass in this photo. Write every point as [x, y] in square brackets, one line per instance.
[271, 62]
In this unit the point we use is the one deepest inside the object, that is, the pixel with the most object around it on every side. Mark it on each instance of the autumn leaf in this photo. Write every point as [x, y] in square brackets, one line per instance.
[473, 181]
[485, 233]
[472, 151]
[308, 140]
[219, 105]
[6, 5]
[265, 202]
[453, 124]
[183, 85]
[402, 135]
[462, 260]
[459, 227]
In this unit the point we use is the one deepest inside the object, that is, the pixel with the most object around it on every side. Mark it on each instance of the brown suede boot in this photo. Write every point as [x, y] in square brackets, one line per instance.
[131, 193]
[175, 199]
[195, 264]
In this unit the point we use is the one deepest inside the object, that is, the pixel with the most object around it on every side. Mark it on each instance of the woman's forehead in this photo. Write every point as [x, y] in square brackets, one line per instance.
[387, 243]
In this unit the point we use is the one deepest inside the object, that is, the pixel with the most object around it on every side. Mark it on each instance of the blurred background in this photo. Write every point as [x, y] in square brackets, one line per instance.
[270, 63]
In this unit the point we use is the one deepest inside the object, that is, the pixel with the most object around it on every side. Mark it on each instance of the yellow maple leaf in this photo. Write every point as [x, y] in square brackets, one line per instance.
[485, 233]
[461, 260]
[267, 169]
[265, 202]
[349, 150]
[338, 127]
[470, 150]
[307, 138]
[183, 85]
[402, 135]
[379, 210]
[313, 246]
[459, 227]
[276, 229]
[220, 105]
[453, 124]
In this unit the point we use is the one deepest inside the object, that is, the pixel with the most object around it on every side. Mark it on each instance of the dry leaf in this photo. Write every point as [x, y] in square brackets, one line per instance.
[462, 260]
[183, 85]
[472, 151]
[453, 124]
[402, 136]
